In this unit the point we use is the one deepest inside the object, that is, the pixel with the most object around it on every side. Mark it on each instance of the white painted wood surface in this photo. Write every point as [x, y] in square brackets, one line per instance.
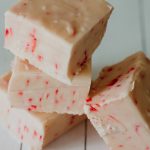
[146, 15]
[128, 31]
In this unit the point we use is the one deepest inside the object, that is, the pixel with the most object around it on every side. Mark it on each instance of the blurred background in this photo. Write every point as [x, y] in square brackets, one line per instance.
[128, 32]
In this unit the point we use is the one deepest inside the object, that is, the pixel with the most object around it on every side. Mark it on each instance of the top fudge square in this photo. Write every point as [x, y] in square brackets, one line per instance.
[56, 36]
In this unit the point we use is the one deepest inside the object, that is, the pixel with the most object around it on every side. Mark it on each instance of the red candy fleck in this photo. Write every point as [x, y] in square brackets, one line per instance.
[8, 32]
[31, 45]
[40, 99]
[46, 82]
[56, 66]
[20, 93]
[40, 58]
[47, 95]
[110, 69]
[35, 133]
[89, 100]
[73, 102]
[27, 82]
[29, 109]
[40, 138]
[74, 31]
[92, 109]
[131, 69]
[137, 127]
[34, 41]
[114, 81]
[147, 148]
[30, 100]
[56, 92]
[26, 129]
[85, 59]
[120, 146]
[33, 106]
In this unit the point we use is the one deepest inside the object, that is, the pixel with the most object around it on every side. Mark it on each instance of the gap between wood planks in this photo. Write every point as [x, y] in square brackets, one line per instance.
[21, 146]
[85, 134]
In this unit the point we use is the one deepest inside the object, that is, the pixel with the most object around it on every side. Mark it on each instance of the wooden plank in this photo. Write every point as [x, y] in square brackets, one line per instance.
[146, 22]
[123, 38]
[73, 140]
[7, 142]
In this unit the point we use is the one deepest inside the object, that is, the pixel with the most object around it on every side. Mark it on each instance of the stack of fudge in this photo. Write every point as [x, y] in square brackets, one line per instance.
[49, 91]
[53, 41]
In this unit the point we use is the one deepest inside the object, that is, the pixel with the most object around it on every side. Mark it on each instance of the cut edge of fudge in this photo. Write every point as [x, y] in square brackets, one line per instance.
[49, 89]
[41, 119]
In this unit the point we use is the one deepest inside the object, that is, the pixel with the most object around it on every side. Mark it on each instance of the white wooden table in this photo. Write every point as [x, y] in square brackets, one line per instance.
[128, 32]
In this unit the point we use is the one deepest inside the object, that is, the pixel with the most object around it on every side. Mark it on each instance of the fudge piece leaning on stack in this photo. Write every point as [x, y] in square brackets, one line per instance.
[56, 36]
[36, 91]
[119, 104]
[33, 129]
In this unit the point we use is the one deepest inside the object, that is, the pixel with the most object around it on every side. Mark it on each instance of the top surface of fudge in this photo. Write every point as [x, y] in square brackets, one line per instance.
[69, 19]
[117, 81]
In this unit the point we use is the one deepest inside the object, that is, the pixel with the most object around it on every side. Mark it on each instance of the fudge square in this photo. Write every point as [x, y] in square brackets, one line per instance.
[56, 36]
[34, 90]
[119, 104]
[33, 129]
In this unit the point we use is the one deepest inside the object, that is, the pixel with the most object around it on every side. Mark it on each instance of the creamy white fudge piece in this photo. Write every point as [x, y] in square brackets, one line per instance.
[33, 129]
[119, 104]
[34, 90]
[56, 36]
